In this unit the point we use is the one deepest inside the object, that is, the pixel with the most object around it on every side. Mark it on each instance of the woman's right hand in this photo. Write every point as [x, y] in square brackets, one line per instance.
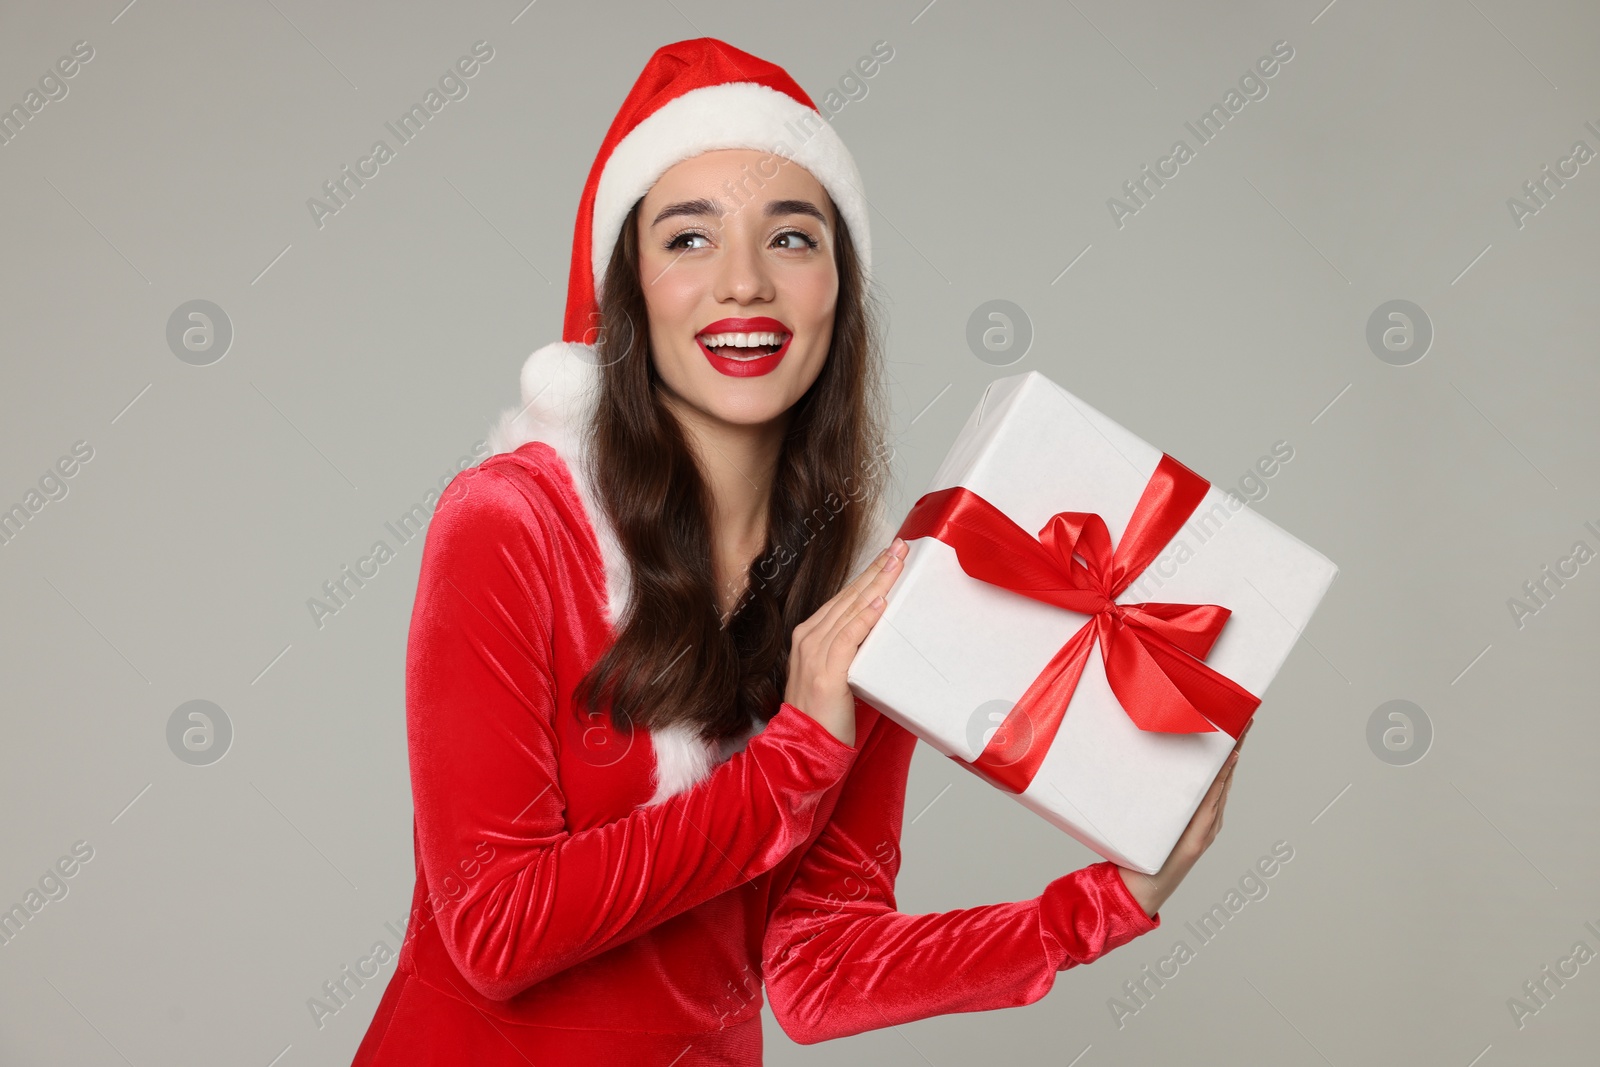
[823, 647]
[1204, 825]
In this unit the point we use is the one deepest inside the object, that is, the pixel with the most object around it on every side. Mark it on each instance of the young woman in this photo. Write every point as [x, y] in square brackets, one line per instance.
[643, 790]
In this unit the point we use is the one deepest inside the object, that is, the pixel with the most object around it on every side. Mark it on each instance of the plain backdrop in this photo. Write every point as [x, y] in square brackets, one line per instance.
[1221, 317]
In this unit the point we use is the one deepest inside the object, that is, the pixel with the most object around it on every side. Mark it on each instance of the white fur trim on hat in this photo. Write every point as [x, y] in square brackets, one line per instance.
[731, 115]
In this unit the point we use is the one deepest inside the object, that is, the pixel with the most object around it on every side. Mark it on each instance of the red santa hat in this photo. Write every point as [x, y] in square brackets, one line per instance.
[693, 97]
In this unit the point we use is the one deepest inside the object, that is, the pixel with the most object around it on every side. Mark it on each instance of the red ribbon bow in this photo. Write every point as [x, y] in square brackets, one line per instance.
[1152, 651]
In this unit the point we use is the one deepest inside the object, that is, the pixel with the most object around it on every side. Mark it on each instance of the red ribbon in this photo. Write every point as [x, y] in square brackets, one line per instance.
[1152, 651]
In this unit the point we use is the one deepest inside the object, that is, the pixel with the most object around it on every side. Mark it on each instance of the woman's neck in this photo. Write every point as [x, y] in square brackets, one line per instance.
[738, 463]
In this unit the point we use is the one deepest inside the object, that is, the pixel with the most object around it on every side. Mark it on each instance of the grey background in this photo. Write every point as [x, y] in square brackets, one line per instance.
[370, 354]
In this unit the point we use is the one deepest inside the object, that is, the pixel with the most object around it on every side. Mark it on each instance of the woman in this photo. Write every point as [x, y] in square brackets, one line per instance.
[622, 833]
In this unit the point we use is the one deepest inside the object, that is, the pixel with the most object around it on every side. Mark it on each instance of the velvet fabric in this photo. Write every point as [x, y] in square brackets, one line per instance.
[560, 917]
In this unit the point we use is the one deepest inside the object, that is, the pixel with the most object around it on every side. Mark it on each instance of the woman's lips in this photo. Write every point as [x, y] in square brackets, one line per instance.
[751, 366]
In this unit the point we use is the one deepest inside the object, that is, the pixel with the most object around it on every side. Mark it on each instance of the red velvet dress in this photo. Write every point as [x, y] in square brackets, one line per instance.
[570, 910]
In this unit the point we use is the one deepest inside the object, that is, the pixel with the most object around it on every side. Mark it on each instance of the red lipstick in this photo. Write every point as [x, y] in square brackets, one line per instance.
[751, 366]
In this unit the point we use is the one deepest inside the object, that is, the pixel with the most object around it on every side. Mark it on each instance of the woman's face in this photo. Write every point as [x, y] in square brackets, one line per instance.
[736, 249]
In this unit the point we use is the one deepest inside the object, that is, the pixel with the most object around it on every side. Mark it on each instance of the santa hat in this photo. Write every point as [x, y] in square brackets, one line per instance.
[693, 97]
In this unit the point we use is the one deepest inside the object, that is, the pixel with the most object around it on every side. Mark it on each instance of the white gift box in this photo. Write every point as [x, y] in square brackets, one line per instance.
[952, 653]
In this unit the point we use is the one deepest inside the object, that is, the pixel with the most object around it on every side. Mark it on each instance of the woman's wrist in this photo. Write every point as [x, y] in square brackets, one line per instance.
[1143, 889]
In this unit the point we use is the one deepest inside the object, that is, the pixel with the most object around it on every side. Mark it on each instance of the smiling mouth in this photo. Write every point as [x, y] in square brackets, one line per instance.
[743, 346]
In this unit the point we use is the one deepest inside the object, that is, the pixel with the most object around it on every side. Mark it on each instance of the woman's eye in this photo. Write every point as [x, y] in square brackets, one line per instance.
[673, 244]
[805, 240]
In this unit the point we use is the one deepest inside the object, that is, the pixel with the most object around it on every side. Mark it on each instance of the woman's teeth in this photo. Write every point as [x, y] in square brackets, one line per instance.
[758, 344]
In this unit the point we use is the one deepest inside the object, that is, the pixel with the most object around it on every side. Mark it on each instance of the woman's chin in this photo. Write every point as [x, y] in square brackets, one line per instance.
[746, 399]
[746, 411]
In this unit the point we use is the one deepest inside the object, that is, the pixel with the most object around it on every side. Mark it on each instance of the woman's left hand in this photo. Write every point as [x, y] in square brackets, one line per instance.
[1151, 891]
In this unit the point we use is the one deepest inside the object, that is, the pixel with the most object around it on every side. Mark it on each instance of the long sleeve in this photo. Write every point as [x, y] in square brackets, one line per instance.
[481, 702]
[838, 959]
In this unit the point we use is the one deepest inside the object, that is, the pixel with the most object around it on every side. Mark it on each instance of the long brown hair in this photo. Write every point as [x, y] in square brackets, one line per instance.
[674, 659]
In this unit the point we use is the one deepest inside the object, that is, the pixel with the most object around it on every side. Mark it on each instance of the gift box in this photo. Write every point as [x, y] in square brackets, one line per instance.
[1083, 621]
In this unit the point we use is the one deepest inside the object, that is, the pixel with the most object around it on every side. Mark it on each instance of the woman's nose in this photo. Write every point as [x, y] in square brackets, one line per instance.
[743, 275]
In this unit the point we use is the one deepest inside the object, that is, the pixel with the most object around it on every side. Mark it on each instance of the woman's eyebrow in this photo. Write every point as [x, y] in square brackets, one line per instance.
[688, 207]
[795, 207]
